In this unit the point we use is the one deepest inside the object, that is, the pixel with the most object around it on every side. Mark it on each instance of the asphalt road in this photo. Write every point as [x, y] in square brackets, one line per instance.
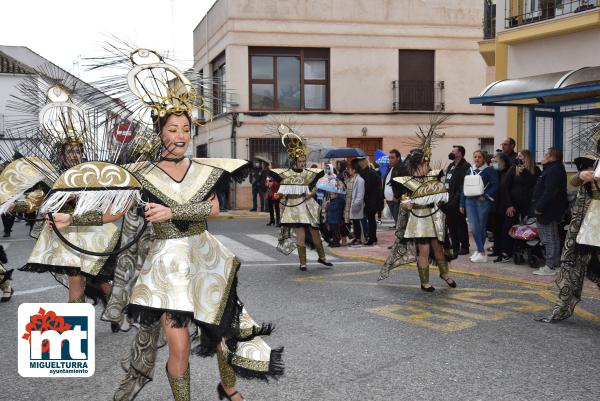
[348, 337]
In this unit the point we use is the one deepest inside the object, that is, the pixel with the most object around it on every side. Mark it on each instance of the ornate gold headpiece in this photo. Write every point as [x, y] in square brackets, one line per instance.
[62, 119]
[292, 142]
[163, 87]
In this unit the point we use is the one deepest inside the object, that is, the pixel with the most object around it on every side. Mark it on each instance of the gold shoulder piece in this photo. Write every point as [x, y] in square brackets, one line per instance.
[409, 182]
[229, 165]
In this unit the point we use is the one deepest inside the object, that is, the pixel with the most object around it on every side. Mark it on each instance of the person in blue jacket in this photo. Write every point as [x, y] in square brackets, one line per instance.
[478, 207]
[335, 217]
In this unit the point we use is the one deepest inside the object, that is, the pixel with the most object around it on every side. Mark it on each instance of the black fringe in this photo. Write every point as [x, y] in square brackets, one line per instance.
[3, 258]
[276, 368]
[147, 316]
[39, 268]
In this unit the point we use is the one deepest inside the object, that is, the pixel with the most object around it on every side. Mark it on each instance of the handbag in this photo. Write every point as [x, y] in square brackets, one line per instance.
[473, 184]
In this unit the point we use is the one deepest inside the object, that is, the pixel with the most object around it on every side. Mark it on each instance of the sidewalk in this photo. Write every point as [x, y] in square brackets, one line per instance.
[507, 272]
[241, 214]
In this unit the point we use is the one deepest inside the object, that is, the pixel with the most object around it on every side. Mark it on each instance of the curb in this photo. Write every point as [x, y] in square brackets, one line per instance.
[493, 277]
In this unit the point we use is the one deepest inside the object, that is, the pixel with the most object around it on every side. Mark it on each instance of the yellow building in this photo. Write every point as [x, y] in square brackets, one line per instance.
[545, 55]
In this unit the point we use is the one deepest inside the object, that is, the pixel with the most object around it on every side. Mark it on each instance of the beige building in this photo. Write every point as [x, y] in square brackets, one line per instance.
[360, 73]
[547, 46]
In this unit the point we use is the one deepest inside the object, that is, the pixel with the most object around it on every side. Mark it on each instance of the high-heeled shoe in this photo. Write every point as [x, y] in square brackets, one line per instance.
[451, 283]
[303, 268]
[224, 395]
[428, 289]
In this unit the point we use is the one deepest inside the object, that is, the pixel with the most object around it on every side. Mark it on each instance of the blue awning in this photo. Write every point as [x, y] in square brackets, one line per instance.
[556, 89]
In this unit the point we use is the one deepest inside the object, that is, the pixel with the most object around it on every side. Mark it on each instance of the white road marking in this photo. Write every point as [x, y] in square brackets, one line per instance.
[36, 290]
[272, 240]
[243, 252]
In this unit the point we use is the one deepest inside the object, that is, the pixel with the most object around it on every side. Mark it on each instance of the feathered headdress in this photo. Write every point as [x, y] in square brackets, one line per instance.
[427, 138]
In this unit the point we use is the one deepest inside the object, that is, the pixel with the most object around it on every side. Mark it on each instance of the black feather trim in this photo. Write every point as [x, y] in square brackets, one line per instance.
[276, 368]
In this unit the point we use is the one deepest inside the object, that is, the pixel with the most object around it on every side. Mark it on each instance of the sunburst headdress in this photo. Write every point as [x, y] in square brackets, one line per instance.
[149, 86]
[292, 142]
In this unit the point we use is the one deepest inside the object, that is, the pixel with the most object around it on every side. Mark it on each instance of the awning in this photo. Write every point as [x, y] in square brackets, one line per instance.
[547, 90]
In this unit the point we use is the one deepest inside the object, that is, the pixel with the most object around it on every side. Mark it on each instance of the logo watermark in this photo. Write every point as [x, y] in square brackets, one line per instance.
[56, 340]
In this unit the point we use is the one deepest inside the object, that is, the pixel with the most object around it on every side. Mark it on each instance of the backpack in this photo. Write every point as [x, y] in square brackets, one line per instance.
[473, 185]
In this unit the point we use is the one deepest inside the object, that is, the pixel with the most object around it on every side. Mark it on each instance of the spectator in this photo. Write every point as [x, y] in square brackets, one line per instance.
[355, 203]
[478, 206]
[502, 249]
[335, 211]
[272, 187]
[222, 190]
[257, 181]
[549, 204]
[508, 148]
[392, 190]
[520, 182]
[375, 166]
[342, 168]
[456, 221]
[373, 198]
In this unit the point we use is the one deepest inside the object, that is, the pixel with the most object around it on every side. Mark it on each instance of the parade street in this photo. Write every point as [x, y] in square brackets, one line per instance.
[348, 337]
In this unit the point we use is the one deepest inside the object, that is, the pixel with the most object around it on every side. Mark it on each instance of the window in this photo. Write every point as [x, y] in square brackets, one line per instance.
[289, 79]
[546, 134]
[219, 94]
[416, 88]
[487, 144]
[270, 149]
[202, 150]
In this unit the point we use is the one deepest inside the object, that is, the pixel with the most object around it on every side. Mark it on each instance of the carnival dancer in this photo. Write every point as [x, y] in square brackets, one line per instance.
[297, 194]
[421, 216]
[188, 276]
[57, 128]
[581, 250]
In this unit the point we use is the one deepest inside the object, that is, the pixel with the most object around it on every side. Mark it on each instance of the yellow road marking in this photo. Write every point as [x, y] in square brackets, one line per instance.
[423, 318]
[495, 314]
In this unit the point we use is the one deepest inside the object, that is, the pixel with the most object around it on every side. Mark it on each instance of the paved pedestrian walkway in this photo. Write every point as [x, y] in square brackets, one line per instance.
[509, 272]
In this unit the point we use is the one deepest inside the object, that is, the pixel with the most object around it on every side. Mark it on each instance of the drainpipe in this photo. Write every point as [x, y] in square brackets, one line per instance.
[234, 125]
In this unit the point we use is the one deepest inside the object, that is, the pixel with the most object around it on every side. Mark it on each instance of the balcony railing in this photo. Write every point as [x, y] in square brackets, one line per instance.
[418, 95]
[489, 19]
[524, 12]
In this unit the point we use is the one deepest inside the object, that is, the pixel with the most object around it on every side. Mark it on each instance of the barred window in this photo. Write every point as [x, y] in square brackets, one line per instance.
[269, 149]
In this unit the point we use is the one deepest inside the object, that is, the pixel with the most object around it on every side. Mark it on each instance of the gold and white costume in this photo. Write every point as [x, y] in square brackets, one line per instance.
[426, 220]
[191, 276]
[295, 184]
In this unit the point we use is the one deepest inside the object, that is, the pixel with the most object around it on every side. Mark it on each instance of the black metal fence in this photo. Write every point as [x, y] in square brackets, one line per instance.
[418, 95]
[526, 12]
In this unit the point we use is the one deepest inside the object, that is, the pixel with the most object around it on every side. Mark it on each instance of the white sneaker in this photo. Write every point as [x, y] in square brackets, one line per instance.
[544, 271]
[480, 258]
[475, 254]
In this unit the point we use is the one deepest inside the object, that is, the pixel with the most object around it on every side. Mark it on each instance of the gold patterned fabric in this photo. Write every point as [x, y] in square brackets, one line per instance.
[52, 254]
[589, 233]
[423, 224]
[190, 275]
[294, 185]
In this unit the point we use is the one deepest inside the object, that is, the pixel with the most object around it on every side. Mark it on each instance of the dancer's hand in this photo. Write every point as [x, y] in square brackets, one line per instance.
[587, 176]
[510, 212]
[156, 213]
[409, 205]
[61, 220]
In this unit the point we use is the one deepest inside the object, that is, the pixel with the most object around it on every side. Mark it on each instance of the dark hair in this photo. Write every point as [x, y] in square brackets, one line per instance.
[556, 153]
[396, 152]
[354, 164]
[162, 121]
[461, 149]
[414, 159]
[505, 160]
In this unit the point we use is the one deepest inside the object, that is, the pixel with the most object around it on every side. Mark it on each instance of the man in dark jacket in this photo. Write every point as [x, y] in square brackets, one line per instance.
[392, 190]
[456, 221]
[508, 148]
[257, 180]
[549, 204]
[373, 198]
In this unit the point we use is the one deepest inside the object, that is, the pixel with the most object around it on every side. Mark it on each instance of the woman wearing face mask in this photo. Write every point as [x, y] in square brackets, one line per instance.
[502, 249]
[478, 206]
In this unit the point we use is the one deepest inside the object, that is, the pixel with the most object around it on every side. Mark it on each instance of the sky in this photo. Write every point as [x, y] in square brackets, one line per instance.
[64, 31]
